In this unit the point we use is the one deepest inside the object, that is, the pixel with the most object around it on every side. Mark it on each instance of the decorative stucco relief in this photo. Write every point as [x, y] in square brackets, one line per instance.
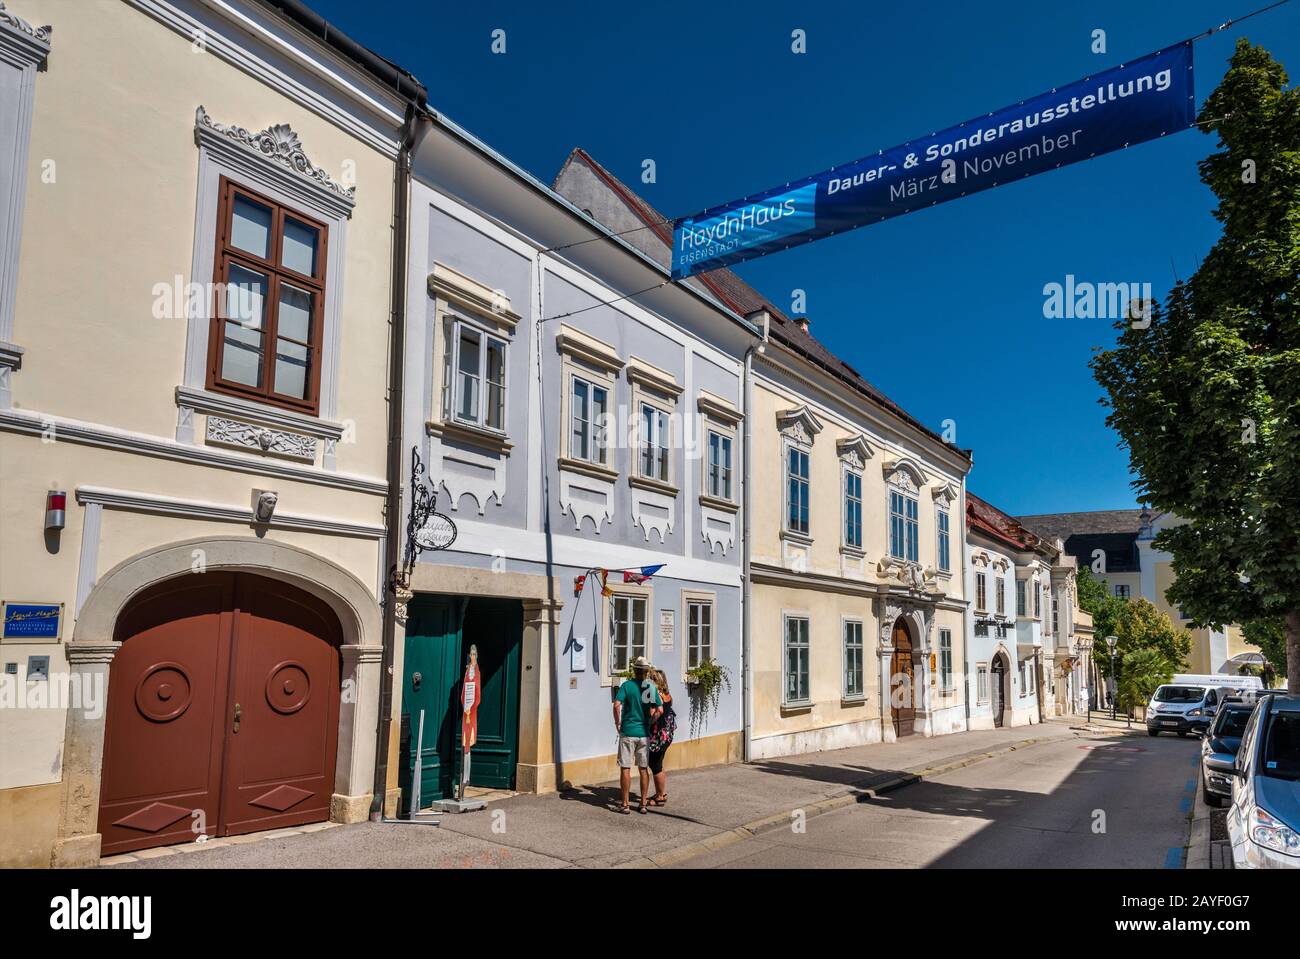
[248, 436]
[281, 144]
[586, 497]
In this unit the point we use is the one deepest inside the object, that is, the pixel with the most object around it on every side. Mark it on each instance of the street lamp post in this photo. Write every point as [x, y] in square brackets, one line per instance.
[1114, 686]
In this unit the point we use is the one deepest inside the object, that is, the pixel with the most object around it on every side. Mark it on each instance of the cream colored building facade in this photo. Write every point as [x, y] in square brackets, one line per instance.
[147, 119]
[857, 629]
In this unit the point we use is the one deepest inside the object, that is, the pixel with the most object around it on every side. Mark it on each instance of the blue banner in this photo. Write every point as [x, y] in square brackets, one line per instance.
[1129, 104]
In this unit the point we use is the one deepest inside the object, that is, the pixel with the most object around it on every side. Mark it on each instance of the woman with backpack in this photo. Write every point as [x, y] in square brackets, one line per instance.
[661, 737]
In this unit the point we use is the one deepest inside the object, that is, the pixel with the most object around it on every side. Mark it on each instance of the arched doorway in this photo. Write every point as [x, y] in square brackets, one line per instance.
[902, 702]
[999, 686]
[223, 713]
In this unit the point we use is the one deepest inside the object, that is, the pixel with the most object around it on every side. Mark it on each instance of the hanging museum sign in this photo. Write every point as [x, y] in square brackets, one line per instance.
[1132, 103]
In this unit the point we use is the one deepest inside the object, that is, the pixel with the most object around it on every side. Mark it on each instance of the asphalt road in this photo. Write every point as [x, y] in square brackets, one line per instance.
[1077, 803]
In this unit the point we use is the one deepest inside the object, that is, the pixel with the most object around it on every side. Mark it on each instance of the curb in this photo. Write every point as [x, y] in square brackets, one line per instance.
[1198, 831]
[850, 796]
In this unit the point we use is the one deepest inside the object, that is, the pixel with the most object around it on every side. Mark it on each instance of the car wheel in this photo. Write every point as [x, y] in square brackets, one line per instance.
[1182, 734]
[1153, 732]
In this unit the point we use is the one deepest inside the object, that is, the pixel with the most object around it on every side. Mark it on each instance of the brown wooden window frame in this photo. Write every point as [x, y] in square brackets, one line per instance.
[226, 254]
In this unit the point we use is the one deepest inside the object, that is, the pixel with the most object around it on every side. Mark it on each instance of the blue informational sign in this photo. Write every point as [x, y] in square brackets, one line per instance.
[32, 621]
[1132, 103]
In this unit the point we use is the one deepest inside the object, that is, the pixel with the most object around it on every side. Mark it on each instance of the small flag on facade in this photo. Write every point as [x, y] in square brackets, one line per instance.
[604, 583]
[578, 583]
[641, 575]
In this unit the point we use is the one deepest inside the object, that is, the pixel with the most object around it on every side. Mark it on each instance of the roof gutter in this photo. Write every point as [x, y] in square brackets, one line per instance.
[405, 84]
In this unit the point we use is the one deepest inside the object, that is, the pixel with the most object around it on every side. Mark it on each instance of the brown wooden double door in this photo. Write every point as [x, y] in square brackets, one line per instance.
[902, 701]
[222, 713]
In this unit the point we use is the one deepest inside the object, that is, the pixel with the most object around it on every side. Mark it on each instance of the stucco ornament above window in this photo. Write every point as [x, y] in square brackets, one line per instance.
[43, 34]
[799, 424]
[281, 144]
[904, 474]
[854, 452]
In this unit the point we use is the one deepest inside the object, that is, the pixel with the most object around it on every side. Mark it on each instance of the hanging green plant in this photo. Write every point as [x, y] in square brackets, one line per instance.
[705, 683]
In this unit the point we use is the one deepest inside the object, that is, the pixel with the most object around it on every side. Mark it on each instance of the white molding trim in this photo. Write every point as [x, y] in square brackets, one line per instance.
[718, 409]
[854, 451]
[583, 346]
[88, 561]
[11, 359]
[584, 496]
[476, 537]
[208, 402]
[718, 528]
[199, 509]
[466, 293]
[652, 378]
[653, 511]
[465, 471]
[197, 18]
[24, 49]
[90, 434]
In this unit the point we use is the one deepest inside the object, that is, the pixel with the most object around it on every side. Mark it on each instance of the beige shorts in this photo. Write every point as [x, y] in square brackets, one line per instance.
[630, 747]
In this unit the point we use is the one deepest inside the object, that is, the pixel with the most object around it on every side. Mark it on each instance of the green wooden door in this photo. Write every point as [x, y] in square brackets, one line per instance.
[495, 627]
[430, 680]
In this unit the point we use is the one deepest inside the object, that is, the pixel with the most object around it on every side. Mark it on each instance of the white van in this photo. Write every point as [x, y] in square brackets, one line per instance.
[1189, 703]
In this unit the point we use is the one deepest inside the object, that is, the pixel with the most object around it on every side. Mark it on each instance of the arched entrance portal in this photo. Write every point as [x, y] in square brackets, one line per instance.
[223, 713]
[902, 696]
[998, 675]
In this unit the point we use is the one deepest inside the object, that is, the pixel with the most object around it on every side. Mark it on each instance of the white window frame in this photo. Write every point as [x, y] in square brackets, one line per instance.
[945, 660]
[982, 683]
[1022, 590]
[806, 645]
[1000, 600]
[911, 524]
[786, 476]
[846, 625]
[658, 444]
[714, 485]
[454, 328]
[630, 593]
[595, 436]
[849, 474]
[943, 540]
[981, 591]
[698, 598]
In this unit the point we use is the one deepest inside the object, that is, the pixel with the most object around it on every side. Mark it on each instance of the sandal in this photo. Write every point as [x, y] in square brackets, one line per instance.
[660, 800]
[642, 809]
[626, 810]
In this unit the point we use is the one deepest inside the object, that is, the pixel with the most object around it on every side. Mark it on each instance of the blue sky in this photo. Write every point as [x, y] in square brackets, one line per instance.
[942, 309]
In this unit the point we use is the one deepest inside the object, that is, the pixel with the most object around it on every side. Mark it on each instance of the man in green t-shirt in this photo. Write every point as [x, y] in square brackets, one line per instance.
[636, 706]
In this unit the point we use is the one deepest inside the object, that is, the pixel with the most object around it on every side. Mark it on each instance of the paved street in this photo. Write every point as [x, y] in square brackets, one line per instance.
[1009, 797]
[1030, 808]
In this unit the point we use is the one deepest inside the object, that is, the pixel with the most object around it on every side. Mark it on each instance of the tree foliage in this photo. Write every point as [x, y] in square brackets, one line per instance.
[1207, 397]
[1144, 671]
[1096, 599]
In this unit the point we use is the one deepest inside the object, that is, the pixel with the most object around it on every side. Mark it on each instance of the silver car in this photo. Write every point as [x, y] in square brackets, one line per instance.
[1264, 819]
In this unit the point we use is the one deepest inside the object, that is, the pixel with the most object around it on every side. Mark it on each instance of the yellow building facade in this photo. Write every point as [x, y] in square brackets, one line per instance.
[193, 355]
[856, 549]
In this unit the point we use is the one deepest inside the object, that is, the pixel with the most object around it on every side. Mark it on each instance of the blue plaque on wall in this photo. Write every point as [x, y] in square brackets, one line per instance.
[32, 622]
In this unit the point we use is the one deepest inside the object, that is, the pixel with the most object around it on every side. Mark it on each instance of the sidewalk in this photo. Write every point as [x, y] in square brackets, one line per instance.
[707, 808]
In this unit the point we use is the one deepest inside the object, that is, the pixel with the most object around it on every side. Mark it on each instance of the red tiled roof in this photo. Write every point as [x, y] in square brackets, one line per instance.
[744, 299]
[984, 516]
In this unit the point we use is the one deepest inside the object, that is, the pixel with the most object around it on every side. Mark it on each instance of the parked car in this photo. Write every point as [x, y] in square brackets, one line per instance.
[1219, 750]
[1264, 819]
[1170, 709]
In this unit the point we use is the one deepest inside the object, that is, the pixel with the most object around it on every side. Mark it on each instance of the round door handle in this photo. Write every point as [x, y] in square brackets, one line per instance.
[416, 679]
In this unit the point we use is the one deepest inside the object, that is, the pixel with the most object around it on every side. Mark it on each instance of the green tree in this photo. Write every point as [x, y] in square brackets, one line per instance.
[1144, 670]
[1207, 397]
[1141, 628]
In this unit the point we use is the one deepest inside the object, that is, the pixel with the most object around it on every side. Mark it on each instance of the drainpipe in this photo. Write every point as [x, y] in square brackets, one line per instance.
[761, 319]
[396, 461]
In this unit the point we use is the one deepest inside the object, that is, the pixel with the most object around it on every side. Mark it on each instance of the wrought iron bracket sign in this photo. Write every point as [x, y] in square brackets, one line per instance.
[426, 528]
